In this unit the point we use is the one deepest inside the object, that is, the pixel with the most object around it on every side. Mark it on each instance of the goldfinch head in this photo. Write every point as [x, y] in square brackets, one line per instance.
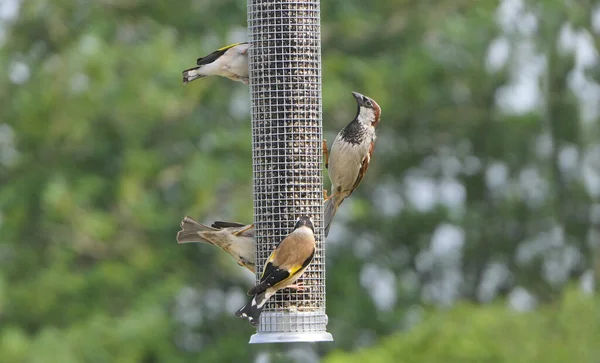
[305, 221]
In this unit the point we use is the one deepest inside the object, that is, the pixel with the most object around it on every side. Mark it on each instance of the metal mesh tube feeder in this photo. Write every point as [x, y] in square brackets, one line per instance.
[287, 134]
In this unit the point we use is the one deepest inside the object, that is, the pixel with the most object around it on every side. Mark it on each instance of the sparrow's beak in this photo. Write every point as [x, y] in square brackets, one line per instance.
[358, 97]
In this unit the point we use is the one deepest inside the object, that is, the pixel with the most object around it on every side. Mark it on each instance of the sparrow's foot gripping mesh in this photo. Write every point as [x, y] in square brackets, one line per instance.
[285, 84]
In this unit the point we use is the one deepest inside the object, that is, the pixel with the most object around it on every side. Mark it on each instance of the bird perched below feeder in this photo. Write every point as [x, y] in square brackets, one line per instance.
[350, 155]
[230, 62]
[234, 238]
[283, 267]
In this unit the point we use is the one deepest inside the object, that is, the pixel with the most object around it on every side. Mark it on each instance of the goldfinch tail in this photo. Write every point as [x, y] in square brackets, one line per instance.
[253, 308]
[331, 207]
[191, 231]
[191, 74]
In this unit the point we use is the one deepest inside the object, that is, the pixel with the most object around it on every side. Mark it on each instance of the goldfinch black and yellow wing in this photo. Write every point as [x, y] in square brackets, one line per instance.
[216, 54]
[292, 255]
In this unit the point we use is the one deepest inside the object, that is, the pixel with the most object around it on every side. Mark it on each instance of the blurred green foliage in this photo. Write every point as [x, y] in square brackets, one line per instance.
[566, 331]
[484, 183]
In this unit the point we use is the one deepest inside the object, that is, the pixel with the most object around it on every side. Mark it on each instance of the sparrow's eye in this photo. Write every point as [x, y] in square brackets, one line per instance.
[367, 102]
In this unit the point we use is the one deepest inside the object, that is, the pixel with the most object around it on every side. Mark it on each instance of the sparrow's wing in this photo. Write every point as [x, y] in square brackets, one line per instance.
[221, 224]
[364, 166]
[236, 229]
[325, 154]
[215, 55]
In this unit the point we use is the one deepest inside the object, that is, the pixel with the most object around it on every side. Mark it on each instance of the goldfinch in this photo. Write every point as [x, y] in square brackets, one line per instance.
[283, 267]
[230, 61]
[350, 155]
[234, 238]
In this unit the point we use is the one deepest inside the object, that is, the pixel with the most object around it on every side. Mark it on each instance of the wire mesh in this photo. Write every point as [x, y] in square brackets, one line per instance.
[285, 86]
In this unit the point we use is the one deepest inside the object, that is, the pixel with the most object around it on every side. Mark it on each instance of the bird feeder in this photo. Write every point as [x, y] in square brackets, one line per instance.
[287, 134]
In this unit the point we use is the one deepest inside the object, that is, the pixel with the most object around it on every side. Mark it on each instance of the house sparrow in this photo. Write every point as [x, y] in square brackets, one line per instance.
[283, 267]
[234, 238]
[230, 61]
[350, 154]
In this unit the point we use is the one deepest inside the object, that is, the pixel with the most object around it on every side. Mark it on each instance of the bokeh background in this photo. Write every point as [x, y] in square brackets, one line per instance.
[475, 236]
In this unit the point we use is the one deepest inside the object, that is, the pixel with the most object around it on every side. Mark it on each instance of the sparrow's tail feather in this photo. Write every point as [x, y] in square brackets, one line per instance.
[191, 231]
[331, 206]
[253, 308]
[191, 74]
